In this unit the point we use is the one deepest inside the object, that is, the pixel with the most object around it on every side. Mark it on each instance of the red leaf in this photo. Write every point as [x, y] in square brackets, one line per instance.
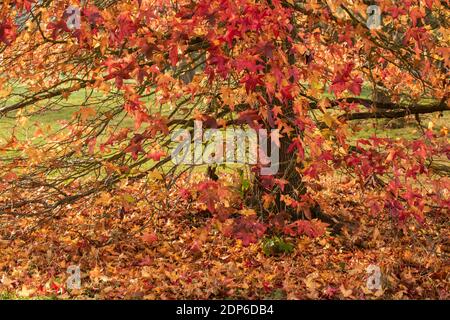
[313, 228]
[184, 193]
[209, 194]
[396, 11]
[58, 27]
[415, 15]
[125, 27]
[134, 149]
[355, 86]
[93, 15]
[156, 155]
[25, 4]
[246, 229]
[345, 81]
[252, 81]
[7, 33]
[173, 56]
[149, 238]
[10, 176]
[429, 3]
[281, 183]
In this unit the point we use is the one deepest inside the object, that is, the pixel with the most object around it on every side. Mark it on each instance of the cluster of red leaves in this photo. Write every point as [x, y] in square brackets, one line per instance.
[403, 197]
[7, 31]
[246, 229]
[344, 81]
[312, 229]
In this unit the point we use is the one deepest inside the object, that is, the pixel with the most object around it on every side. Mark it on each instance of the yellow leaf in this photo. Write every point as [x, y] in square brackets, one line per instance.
[5, 92]
[247, 212]
[25, 292]
[328, 119]
[346, 293]
[268, 200]
[155, 175]
[104, 199]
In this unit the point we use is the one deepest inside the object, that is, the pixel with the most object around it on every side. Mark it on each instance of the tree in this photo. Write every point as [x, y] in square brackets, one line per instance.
[303, 67]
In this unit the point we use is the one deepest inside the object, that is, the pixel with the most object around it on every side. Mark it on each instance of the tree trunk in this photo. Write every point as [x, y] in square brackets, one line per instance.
[295, 188]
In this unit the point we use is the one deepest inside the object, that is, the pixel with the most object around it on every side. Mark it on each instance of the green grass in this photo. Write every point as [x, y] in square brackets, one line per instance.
[65, 109]
[406, 128]
[50, 116]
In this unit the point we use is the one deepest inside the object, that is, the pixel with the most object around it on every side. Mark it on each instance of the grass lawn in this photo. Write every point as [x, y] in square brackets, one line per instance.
[24, 125]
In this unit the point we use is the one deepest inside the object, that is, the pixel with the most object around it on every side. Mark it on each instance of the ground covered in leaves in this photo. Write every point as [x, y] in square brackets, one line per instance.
[141, 243]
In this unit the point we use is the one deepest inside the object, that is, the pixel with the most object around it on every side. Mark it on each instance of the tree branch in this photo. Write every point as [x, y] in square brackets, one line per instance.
[397, 113]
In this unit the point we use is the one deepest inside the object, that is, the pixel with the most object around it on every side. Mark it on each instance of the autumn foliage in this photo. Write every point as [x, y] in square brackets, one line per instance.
[86, 177]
